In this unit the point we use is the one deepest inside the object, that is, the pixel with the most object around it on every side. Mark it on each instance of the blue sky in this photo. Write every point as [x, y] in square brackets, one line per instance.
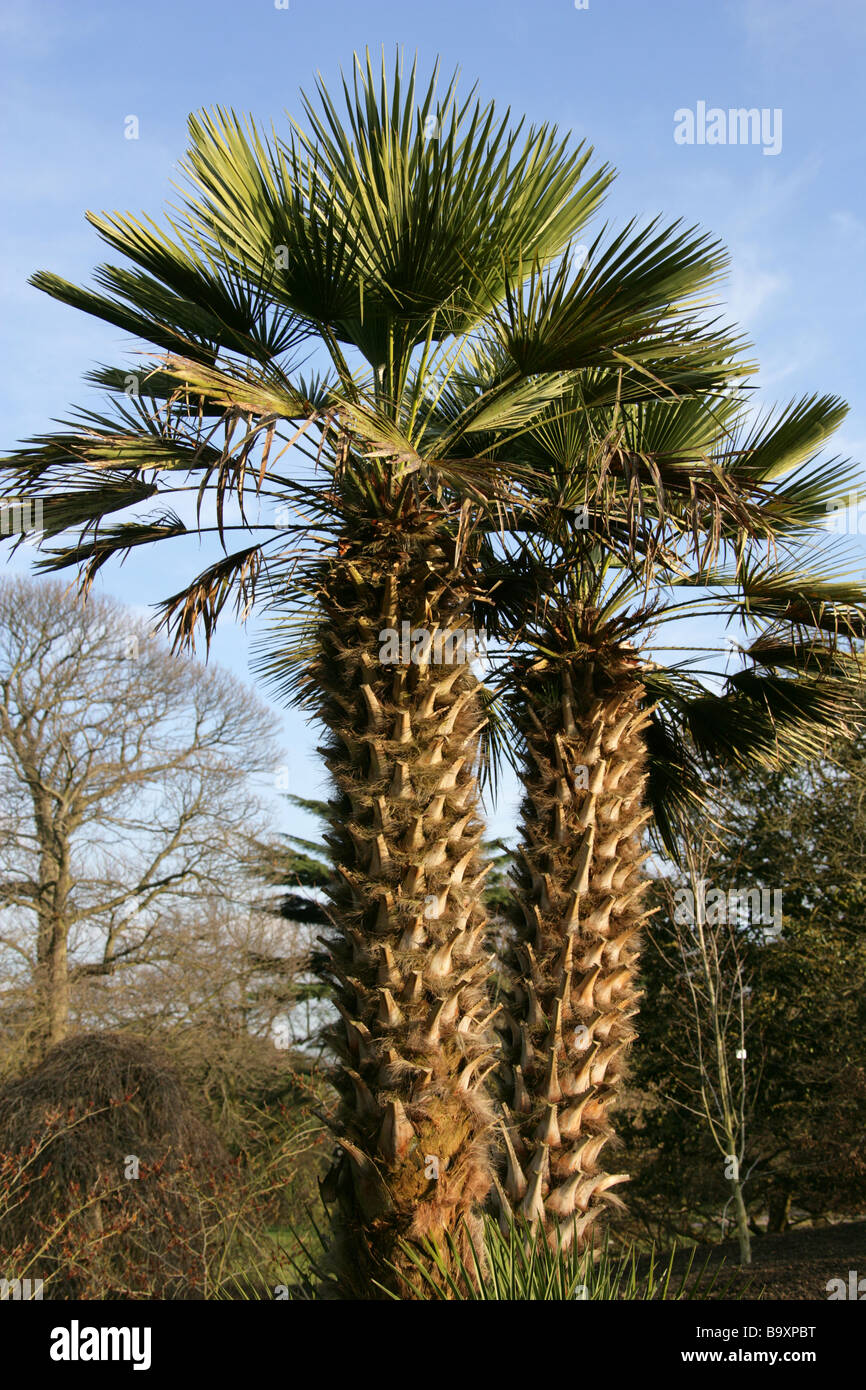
[614, 74]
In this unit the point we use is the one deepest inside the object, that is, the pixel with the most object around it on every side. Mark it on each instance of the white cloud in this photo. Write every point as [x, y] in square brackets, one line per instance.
[852, 229]
[751, 287]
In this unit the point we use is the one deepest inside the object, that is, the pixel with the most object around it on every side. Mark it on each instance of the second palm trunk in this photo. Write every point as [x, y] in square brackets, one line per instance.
[577, 917]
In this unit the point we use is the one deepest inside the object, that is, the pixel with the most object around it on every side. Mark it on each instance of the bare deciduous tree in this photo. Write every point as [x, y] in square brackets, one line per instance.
[128, 799]
[705, 952]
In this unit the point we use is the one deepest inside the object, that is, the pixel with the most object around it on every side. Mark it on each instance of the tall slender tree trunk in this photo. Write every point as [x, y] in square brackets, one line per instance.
[406, 958]
[741, 1221]
[579, 889]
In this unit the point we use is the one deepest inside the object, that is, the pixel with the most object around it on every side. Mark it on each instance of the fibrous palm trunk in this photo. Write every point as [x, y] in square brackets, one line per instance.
[406, 960]
[579, 889]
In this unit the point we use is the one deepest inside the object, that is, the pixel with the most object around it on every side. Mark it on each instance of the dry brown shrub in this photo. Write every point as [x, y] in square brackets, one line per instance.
[68, 1213]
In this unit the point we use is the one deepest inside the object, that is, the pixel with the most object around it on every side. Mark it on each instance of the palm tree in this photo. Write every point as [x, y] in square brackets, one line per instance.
[658, 513]
[423, 247]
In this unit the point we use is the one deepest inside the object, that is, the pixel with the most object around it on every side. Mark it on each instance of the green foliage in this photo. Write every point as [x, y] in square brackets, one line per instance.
[801, 831]
[804, 832]
[516, 1264]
